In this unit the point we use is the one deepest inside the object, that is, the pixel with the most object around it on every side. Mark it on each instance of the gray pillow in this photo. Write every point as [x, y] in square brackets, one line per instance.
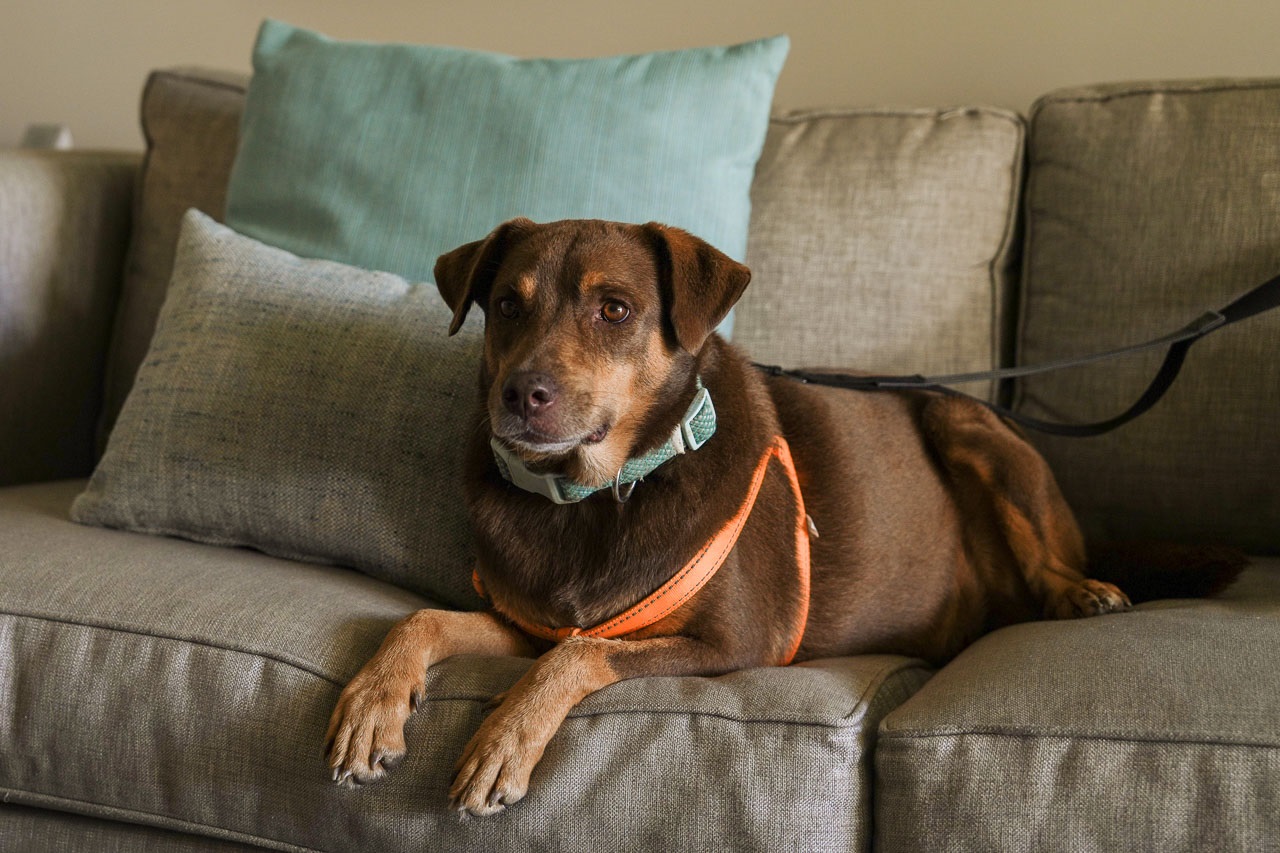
[304, 408]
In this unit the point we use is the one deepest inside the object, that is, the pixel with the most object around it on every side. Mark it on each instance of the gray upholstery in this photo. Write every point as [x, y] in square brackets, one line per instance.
[306, 408]
[879, 239]
[191, 121]
[882, 239]
[37, 830]
[1146, 206]
[187, 687]
[64, 222]
[1157, 729]
[160, 694]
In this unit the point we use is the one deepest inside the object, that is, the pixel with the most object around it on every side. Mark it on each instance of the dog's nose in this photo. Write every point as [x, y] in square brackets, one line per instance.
[528, 394]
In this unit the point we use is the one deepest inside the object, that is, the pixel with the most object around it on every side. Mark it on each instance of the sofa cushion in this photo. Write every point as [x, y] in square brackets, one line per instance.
[1147, 205]
[306, 408]
[1156, 729]
[191, 121]
[821, 255]
[33, 830]
[882, 239]
[184, 686]
[388, 155]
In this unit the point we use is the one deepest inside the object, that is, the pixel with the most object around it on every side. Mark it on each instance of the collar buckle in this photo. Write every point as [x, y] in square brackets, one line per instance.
[699, 422]
[512, 468]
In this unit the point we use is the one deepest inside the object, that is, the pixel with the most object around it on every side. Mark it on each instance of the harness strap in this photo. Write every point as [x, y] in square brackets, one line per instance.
[695, 574]
[1264, 297]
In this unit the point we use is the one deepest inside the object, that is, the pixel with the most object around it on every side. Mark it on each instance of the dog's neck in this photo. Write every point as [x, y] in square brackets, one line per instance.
[696, 426]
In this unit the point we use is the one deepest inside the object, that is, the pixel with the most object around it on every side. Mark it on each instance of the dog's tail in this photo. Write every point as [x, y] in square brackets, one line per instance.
[1150, 570]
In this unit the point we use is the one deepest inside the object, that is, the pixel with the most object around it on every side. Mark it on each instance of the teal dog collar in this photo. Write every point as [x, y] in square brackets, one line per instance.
[697, 425]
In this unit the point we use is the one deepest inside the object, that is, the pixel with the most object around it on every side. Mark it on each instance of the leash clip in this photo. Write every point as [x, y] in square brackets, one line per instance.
[779, 370]
[622, 493]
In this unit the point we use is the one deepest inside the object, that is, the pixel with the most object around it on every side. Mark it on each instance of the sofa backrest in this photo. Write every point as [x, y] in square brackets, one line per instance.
[883, 240]
[879, 240]
[1146, 205]
[191, 123]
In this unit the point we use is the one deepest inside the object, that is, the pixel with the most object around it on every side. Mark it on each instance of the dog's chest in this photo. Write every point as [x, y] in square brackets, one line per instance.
[581, 564]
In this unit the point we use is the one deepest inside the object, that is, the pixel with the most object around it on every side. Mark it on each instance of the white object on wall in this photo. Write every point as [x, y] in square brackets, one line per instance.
[49, 136]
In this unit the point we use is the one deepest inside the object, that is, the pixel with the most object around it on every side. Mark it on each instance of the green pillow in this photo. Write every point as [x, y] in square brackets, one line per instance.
[305, 408]
[386, 156]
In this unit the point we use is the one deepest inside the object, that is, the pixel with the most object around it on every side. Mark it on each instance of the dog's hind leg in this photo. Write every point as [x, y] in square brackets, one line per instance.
[990, 463]
[366, 730]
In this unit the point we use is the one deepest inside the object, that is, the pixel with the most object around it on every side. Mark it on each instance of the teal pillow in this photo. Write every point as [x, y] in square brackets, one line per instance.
[385, 155]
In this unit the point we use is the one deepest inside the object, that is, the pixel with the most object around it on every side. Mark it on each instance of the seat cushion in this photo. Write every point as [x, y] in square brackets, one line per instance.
[1147, 205]
[187, 687]
[1156, 729]
[33, 830]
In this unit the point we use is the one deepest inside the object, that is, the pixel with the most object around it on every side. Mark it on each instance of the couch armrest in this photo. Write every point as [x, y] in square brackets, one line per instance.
[64, 228]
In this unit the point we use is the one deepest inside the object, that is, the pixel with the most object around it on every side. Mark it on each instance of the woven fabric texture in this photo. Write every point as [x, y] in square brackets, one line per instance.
[304, 408]
[1148, 205]
[388, 155]
[880, 240]
[40, 830]
[65, 221]
[191, 122]
[225, 664]
[1157, 729]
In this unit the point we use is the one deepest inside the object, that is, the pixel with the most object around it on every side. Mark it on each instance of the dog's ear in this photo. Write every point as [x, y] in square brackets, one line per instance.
[699, 283]
[465, 275]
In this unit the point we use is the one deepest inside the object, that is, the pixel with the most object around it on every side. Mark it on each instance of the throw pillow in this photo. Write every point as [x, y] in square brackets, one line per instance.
[304, 408]
[386, 155]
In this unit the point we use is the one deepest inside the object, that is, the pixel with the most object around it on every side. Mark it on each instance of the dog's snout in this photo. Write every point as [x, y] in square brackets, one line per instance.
[529, 394]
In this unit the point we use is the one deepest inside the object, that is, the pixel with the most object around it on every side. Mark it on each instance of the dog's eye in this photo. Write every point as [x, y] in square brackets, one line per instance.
[509, 309]
[614, 312]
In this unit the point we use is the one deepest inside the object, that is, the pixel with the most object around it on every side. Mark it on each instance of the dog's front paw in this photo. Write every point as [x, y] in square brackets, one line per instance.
[494, 770]
[366, 730]
[1091, 598]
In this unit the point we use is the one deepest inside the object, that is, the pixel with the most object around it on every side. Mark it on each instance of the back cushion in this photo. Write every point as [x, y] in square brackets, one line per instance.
[1148, 204]
[191, 121]
[880, 240]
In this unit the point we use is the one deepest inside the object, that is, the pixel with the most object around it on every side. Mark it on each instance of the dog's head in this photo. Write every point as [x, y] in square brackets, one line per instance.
[591, 329]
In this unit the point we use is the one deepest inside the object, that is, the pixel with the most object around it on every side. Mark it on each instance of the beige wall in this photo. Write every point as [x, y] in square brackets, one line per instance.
[82, 62]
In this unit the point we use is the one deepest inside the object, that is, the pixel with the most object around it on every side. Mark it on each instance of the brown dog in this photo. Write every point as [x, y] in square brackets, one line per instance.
[937, 522]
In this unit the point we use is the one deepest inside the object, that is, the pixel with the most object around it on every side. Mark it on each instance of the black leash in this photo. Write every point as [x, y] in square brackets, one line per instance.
[1262, 298]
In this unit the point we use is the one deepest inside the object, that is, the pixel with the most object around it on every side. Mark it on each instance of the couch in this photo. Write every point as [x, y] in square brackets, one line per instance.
[161, 694]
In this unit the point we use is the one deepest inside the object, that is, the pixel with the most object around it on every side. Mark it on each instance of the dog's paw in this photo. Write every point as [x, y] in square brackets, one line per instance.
[1090, 598]
[494, 769]
[366, 731]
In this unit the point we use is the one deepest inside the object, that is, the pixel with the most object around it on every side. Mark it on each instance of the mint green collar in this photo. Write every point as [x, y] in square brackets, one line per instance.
[697, 425]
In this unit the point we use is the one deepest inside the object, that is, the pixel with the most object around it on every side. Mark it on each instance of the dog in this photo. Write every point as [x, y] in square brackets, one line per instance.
[838, 523]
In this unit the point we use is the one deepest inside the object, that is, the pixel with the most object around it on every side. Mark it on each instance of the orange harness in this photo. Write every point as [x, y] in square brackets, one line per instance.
[694, 575]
